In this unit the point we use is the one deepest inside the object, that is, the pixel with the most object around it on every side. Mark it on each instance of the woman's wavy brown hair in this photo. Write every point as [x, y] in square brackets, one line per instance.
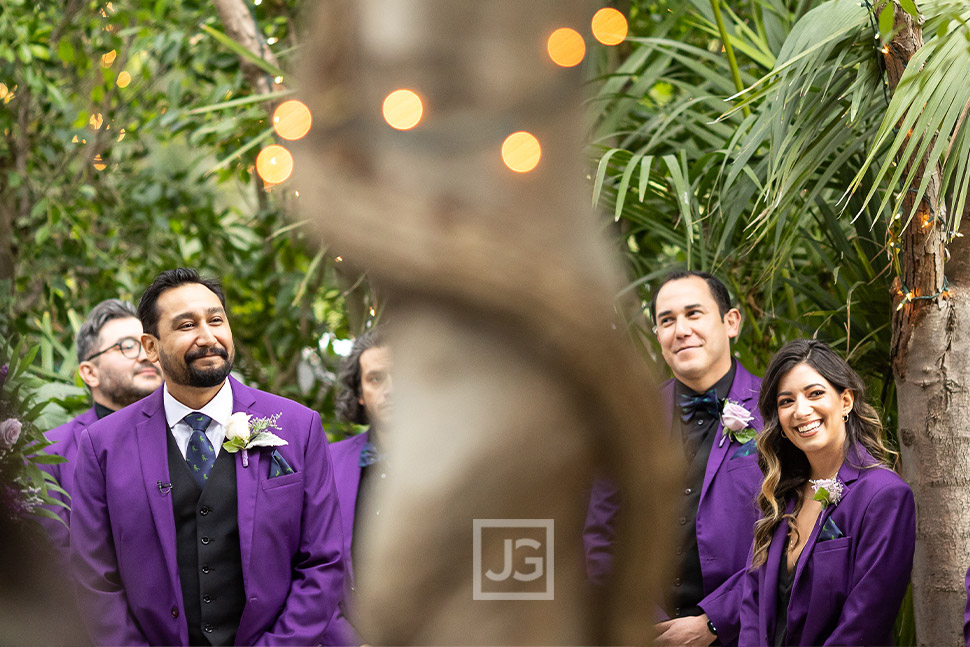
[786, 467]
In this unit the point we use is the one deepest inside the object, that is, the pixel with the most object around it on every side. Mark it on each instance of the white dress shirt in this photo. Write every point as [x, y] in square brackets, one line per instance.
[219, 408]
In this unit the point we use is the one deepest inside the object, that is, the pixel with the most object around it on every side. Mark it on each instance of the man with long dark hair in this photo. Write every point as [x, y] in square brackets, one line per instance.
[206, 513]
[712, 401]
[360, 463]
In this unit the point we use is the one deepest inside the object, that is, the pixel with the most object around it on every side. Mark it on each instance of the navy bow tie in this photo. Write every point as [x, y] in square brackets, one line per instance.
[706, 402]
[369, 455]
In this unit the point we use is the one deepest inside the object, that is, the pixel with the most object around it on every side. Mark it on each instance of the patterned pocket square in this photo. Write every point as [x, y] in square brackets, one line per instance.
[746, 449]
[278, 466]
[830, 531]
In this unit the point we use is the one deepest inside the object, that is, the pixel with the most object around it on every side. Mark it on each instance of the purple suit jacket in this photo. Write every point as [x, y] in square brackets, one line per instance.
[123, 530]
[346, 472]
[966, 613]
[726, 514]
[65, 440]
[847, 589]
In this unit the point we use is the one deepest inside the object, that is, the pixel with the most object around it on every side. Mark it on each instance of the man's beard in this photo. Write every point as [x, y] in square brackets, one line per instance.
[124, 391]
[186, 374]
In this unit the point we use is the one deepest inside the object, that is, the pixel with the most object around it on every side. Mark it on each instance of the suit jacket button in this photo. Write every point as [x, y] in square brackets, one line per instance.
[683, 521]
[205, 541]
[207, 598]
[688, 491]
[204, 510]
[175, 612]
[207, 628]
[205, 570]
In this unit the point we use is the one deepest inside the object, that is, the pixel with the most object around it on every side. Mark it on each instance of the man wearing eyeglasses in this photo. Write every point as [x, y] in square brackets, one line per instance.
[116, 370]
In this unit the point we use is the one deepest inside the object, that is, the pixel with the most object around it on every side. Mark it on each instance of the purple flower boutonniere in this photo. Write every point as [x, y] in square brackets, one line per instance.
[244, 432]
[827, 491]
[737, 422]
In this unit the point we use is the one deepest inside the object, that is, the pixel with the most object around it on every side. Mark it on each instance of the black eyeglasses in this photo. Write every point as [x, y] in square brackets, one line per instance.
[129, 347]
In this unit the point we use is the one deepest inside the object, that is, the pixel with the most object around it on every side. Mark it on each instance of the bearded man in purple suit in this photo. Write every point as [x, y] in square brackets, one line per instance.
[206, 513]
[360, 463]
[712, 401]
[114, 367]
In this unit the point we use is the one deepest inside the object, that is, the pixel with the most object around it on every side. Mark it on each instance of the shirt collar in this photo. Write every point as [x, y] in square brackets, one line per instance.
[722, 387]
[219, 408]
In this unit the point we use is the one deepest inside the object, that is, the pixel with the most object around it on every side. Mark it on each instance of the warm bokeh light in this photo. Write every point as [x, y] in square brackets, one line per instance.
[274, 164]
[291, 119]
[96, 121]
[521, 151]
[566, 47]
[108, 59]
[403, 109]
[609, 26]
[121, 135]
[123, 80]
[99, 163]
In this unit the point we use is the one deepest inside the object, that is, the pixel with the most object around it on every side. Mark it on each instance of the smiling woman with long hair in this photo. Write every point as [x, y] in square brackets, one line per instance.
[833, 549]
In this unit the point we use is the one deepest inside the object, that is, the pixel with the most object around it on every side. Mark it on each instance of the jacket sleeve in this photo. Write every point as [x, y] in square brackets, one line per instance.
[100, 593]
[882, 568]
[604, 504]
[966, 613]
[750, 605]
[317, 579]
[723, 607]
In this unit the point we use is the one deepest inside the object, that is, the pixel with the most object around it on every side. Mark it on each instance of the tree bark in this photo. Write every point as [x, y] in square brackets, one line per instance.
[931, 363]
[513, 382]
[241, 27]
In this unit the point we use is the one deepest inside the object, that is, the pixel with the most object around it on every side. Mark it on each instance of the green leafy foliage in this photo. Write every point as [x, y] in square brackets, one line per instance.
[129, 137]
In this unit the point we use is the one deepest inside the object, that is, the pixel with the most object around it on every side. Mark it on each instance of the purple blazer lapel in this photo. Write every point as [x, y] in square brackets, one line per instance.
[152, 445]
[744, 390]
[847, 474]
[247, 481]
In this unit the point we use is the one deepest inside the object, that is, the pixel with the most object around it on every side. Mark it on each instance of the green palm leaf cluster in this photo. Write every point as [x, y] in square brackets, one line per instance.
[787, 189]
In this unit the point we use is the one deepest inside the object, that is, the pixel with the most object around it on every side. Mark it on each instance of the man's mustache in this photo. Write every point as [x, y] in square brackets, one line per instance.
[191, 356]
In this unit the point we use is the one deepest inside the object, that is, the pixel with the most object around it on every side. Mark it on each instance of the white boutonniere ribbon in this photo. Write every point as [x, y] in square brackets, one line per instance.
[244, 432]
[737, 423]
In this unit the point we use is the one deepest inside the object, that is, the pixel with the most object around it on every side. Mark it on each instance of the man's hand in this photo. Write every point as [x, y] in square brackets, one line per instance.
[690, 631]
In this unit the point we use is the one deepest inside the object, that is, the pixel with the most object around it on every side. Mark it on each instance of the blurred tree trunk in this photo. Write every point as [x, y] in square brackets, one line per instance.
[931, 363]
[513, 383]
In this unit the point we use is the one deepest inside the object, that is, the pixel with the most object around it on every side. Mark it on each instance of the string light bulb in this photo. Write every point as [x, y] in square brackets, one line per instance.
[609, 26]
[566, 47]
[274, 164]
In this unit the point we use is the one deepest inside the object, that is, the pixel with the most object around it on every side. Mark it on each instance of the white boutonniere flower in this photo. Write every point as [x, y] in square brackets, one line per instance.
[244, 432]
[737, 422]
[827, 491]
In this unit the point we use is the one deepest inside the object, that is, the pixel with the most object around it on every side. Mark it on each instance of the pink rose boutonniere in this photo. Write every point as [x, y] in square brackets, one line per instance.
[737, 422]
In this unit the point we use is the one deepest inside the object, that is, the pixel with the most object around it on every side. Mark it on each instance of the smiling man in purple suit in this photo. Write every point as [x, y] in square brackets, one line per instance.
[712, 403]
[114, 367]
[178, 539]
[360, 462]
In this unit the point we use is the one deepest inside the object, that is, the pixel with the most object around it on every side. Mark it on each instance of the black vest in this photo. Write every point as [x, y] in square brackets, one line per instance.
[207, 548]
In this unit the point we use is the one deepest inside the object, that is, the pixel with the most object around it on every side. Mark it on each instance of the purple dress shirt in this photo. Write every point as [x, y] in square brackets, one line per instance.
[123, 548]
[849, 582]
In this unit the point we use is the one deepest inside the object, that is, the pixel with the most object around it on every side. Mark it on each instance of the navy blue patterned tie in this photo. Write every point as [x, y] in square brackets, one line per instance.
[199, 454]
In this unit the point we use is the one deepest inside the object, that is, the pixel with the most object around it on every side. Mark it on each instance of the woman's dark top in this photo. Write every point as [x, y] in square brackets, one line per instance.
[785, 580]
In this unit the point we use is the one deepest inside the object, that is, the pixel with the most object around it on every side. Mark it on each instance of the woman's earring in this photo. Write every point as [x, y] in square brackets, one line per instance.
[845, 417]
